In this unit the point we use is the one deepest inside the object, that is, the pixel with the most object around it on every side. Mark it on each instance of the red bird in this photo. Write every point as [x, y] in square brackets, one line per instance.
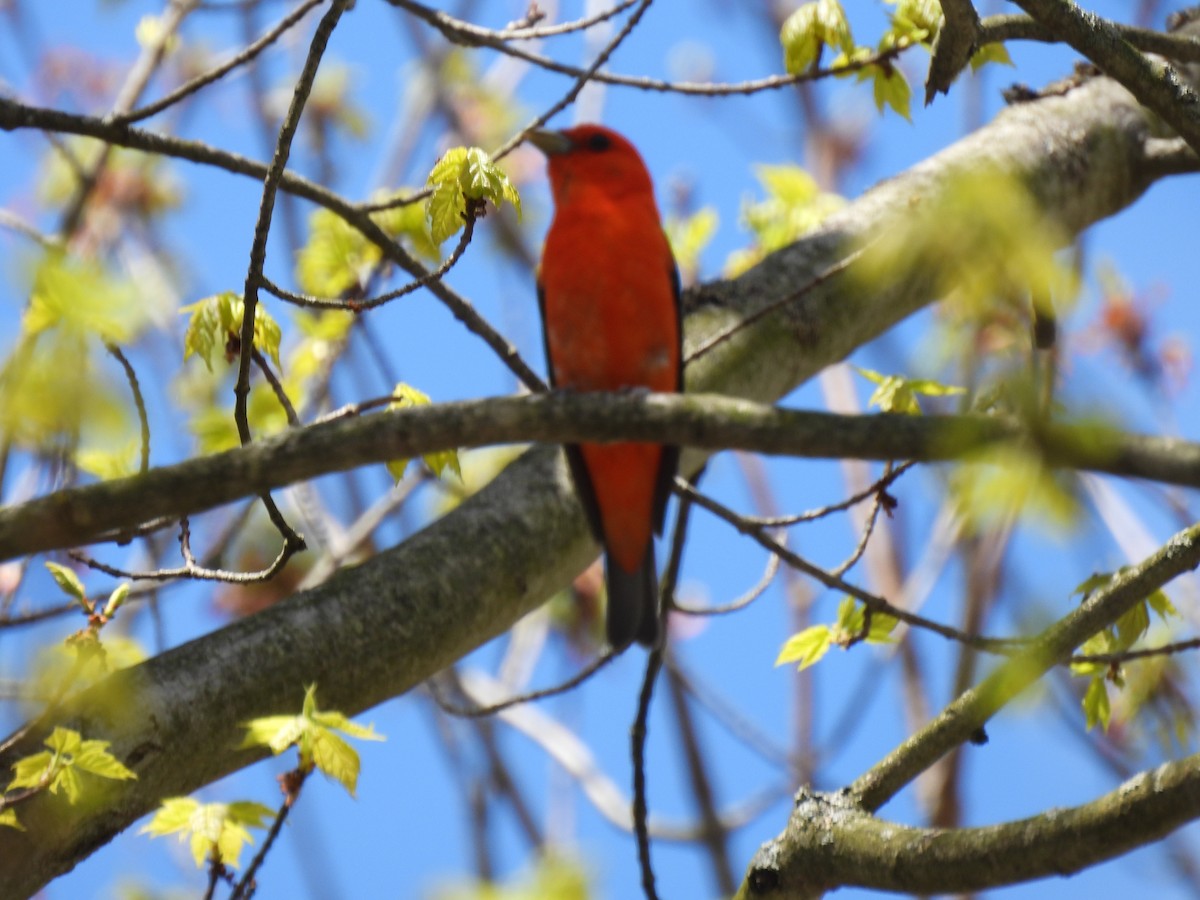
[609, 295]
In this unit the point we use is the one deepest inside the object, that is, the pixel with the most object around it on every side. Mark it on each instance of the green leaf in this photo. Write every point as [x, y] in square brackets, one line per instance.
[1160, 603]
[896, 394]
[464, 173]
[116, 599]
[882, 626]
[313, 733]
[1095, 704]
[274, 732]
[8, 818]
[891, 89]
[53, 393]
[59, 769]
[1092, 583]
[689, 236]
[93, 757]
[52, 663]
[336, 759]
[174, 814]
[914, 21]
[407, 222]
[850, 621]
[444, 210]
[69, 582]
[810, 28]
[216, 325]
[107, 464]
[794, 206]
[438, 461]
[807, 647]
[1100, 644]
[339, 722]
[1132, 625]
[32, 771]
[995, 52]
[214, 829]
[82, 297]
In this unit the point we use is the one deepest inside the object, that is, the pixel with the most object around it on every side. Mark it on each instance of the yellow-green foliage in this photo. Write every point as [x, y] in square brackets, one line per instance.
[1001, 483]
[462, 174]
[984, 240]
[896, 394]
[793, 206]
[689, 236]
[313, 734]
[439, 461]
[52, 388]
[65, 768]
[217, 831]
[807, 647]
[813, 26]
[337, 258]
[1115, 639]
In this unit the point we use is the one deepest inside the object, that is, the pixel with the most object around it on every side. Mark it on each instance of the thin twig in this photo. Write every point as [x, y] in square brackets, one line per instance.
[654, 663]
[138, 400]
[290, 783]
[476, 712]
[16, 224]
[865, 537]
[276, 386]
[745, 322]
[882, 484]
[191, 568]
[307, 300]
[1002, 646]
[745, 599]
[459, 32]
[217, 72]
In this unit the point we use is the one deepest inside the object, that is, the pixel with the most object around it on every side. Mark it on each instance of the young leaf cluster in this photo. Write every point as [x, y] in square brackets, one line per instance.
[1000, 484]
[217, 832]
[1117, 638]
[64, 769]
[823, 23]
[314, 734]
[439, 461]
[793, 206]
[215, 328]
[807, 647]
[461, 175]
[897, 394]
[337, 258]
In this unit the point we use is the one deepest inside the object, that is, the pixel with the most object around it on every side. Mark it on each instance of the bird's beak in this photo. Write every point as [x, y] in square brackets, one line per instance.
[550, 142]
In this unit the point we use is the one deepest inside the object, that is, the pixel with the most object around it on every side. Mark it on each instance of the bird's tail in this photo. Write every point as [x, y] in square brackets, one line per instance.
[632, 602]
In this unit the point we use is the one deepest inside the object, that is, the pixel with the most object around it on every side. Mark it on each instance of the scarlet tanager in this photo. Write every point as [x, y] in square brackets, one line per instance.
[608, 290]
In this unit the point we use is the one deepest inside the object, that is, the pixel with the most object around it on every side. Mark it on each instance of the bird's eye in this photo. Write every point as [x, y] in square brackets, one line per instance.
[598, 142]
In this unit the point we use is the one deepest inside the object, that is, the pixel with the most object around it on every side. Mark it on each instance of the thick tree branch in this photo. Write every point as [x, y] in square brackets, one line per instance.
[830, 843]
[705, 421]
[1153, 82]
[377, 630]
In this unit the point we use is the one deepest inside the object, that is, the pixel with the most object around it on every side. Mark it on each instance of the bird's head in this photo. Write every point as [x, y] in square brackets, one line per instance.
[591, 158]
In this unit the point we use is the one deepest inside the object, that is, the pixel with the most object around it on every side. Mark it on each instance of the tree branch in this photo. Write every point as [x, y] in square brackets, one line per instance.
[831, 843]
[708, 422]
